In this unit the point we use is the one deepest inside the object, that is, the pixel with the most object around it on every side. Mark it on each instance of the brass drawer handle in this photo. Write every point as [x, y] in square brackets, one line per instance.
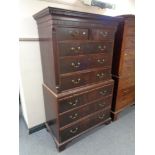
[101, 116]
[101, 104]
[103, 92]
[104, 34]
[76, 81]
[100, 76]
[102, 48]
[76, 65]
[74, 116]
[84, 33]
[75, 49]
[74, 103]
[100, 61]
[73, 130]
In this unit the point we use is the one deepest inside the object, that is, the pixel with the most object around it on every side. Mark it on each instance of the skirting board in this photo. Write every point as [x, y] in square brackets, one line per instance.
[37, 128]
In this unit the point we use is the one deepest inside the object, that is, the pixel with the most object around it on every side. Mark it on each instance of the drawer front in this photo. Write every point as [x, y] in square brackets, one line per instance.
[77, 48]
[82, 99]
[125, 97]
[77, 114]
[80, 79]
[129, 43]
[77, 63]
[84, 125]
[71, 34]
[103, 34]
[101, 92]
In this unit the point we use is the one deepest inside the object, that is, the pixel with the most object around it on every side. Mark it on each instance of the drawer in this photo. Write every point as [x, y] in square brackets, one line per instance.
[79, 113]
[85, 124]
[71, 34]
[129, 43]
[75, 101]
[77, 63]
[100, 92]
[80, 79]
[125, 97]
[77, 48]
[103, 34]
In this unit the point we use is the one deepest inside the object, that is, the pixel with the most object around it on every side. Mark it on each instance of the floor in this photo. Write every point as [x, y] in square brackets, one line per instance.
[117, 138]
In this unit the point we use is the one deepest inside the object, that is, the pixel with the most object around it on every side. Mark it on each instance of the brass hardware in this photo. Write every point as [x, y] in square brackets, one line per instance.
[100, 61]
[84, 33]
[73, 130]
[100, 76]
[101, 104]
[75, 102]
[74, 116]
[75, 49]
[76, 81]
[101, 117]
[104, 34]
[76, 65]
[102, 48]
[103, 92]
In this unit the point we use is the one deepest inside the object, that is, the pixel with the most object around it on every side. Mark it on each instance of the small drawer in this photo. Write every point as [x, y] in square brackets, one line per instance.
[81, 79]
[77, 63]
[77, 114]
[77, 48]
[71, 34]
[103, 34]
[129, 43]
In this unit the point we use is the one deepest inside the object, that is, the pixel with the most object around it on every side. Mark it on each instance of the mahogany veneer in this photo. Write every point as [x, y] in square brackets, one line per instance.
[76, 52]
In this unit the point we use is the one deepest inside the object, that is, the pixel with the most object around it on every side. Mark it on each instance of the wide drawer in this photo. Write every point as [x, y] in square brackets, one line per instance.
[87, 109]
[85, 47]
[83, 98]
[79, 79]
[71, 33]
[82, 62]
[103, 34]
[85, 124]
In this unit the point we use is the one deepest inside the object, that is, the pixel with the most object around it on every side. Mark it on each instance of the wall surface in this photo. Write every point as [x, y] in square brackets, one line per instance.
[30, 63]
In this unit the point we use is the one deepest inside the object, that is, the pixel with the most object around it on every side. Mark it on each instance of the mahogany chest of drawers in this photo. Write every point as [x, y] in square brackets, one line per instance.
[76, 52]
[124, 65]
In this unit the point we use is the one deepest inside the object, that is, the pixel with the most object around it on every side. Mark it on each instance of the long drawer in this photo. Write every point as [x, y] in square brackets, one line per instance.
[85, 124]
[80, 79]
[79, 113]
[83, 62]
[77, 100]
[67, 48]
